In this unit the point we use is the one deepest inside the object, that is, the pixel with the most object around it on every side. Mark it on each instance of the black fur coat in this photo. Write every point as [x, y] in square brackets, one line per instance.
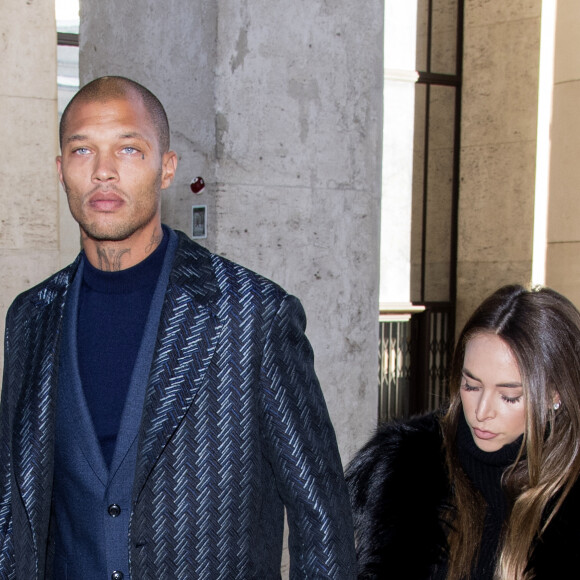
[399, 489]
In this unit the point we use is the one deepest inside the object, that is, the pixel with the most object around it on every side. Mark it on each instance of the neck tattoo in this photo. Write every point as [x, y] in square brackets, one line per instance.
[110, 259]
[154, 242]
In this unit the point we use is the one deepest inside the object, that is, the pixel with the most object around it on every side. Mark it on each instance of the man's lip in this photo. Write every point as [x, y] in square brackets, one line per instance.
[480, 434]
[105, 200]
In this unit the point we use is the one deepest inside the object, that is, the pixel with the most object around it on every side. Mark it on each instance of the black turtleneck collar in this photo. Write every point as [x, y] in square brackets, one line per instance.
[485, 469]
[143, 274]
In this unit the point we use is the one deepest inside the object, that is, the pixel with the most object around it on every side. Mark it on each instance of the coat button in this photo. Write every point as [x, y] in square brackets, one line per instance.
[117, 575]
[114, 510]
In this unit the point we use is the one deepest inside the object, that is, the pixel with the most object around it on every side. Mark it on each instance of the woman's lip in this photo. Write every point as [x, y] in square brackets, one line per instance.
[484, 434]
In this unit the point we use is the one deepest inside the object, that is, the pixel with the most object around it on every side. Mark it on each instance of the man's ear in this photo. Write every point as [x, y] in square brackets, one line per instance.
[59, 168]
[168, 168]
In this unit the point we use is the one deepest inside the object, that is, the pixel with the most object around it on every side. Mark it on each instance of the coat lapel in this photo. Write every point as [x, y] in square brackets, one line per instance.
[188, 333]
[33, 430]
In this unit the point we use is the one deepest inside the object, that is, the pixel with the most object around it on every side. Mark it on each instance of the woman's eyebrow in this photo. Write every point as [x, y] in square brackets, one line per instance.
[509, 385]
[468, 373]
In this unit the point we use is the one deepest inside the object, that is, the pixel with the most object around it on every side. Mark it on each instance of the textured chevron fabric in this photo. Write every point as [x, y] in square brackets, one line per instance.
[234, 429]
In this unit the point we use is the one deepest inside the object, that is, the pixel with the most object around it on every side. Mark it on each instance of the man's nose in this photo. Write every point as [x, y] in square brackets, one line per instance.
[105, 168]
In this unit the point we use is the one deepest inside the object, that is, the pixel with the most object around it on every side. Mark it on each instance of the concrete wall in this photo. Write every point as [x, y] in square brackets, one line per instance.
[498, 147]
[279, 108]
[563, 263]
[29, 224]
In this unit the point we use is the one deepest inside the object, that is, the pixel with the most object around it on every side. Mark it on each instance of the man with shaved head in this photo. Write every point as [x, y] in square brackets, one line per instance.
[159, 409]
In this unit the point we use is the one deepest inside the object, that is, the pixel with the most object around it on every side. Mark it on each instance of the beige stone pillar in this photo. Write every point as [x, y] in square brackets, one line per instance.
[563, 251]
[498, 148]
[28, 123]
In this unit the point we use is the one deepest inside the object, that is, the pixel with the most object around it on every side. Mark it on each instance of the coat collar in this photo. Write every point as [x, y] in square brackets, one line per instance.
[193, 271]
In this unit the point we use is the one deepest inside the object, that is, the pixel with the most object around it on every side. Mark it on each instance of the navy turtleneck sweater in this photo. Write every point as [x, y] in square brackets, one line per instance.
[485, 469]
[113, 310]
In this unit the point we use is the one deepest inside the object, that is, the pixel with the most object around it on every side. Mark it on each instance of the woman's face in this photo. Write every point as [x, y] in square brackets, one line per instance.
[492, 393]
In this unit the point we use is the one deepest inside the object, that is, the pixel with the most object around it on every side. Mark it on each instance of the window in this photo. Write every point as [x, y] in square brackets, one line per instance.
[67, 27]
[436, 160]
[415, 355]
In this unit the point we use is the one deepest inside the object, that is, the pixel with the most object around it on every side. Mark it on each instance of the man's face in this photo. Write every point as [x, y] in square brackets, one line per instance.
[112, 169]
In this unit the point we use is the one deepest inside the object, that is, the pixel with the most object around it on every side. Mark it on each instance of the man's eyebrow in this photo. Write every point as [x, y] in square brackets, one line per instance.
[131, 135]
[128, 135]
[72, 138]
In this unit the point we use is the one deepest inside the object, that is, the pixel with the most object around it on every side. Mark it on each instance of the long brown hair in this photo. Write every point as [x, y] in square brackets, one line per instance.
[542, 329]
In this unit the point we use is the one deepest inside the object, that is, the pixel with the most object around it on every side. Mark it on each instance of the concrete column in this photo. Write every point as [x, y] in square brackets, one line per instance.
[562, 263]
[278, 106]
[29, 233]
[498, 147]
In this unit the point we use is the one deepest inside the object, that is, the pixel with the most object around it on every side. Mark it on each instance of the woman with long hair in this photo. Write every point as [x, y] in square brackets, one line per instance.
[487, 487]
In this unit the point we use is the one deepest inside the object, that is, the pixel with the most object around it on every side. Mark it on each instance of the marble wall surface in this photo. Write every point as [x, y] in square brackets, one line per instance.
[563, 263]
[29, 220]
[498, 147]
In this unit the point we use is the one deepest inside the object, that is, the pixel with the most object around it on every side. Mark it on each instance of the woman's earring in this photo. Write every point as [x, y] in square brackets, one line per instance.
[556, 405]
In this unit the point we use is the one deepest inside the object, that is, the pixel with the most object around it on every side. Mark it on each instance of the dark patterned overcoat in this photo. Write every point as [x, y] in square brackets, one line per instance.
[234, 428]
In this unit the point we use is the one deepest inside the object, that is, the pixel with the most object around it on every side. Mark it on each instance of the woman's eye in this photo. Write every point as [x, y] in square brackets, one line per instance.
[468, 387]
[511, 399]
